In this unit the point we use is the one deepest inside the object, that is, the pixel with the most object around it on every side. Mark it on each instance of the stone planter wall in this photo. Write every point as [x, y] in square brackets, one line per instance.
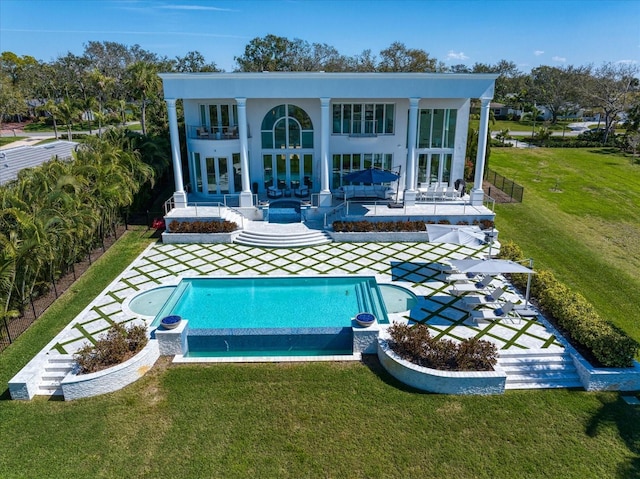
[190, 238]
[409, 236]
[112, 379]
[443, 382]
[607, 379]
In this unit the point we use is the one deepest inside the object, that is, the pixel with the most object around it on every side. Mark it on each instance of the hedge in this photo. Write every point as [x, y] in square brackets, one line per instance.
[584, 327]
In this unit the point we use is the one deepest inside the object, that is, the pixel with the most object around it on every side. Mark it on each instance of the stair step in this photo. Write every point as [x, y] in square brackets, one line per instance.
[543, 385]
[50, 387]
[530, 353]
[534, 362]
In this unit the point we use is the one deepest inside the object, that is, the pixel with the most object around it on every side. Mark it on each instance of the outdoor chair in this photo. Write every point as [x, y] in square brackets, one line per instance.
[504, 311]
[461, 288]
[273, 192]
[475, 300]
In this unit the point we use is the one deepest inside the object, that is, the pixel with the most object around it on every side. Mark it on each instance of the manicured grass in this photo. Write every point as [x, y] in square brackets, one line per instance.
[316, 420]
[6, 140]
[579, 218]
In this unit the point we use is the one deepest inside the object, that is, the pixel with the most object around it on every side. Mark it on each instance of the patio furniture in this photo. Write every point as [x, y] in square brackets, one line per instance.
[461, 288]
[475, 300]
[504, 311]
[365, 191]
[302, 192]
[273, 192]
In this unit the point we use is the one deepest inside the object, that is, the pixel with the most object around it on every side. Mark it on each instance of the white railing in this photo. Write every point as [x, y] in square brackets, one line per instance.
[334, 213]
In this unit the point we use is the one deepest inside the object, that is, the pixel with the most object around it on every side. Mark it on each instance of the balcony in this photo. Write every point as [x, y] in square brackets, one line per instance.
[212, 133]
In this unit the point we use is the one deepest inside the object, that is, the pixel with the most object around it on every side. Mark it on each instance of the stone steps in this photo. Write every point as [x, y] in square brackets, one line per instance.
[283, 239]
[55, 370]
[539, 369]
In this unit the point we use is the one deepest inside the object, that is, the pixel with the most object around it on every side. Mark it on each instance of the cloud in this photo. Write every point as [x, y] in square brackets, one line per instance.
[538, 52]
[626, 62]
[195, 8]
[456, 56]
[559, 59]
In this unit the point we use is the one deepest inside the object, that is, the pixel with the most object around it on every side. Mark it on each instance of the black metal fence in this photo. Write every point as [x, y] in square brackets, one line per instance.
[10, 329]
[513, 191]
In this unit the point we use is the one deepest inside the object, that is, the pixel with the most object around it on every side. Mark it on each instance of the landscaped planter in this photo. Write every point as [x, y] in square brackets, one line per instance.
[380, 236]
[607, 379]
[76, 386]
[436, 381]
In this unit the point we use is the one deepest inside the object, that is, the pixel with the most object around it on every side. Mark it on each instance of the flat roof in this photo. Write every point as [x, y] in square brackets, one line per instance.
[327, 85]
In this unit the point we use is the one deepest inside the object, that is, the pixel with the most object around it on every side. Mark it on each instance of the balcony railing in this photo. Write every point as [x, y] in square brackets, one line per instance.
[212, 132]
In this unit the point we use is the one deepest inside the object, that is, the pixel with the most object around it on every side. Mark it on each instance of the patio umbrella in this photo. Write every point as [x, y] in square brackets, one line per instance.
[468, 235]
[492, 267]
[371, 175]
[489, 266]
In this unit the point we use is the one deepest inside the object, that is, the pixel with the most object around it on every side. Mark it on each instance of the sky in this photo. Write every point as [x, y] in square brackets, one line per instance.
[528, 33]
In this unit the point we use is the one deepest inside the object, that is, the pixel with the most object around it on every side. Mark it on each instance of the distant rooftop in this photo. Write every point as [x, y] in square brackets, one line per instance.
[12, 160]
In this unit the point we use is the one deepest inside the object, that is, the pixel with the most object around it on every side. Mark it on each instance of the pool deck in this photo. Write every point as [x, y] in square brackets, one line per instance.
[412, 265]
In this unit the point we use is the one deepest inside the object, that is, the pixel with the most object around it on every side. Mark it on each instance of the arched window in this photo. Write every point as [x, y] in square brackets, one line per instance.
[285, 127]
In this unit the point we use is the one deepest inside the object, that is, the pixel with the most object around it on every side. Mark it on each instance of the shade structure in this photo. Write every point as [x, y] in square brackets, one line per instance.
[494, 266]
[371, 175]
[489, 266]
[465, 235]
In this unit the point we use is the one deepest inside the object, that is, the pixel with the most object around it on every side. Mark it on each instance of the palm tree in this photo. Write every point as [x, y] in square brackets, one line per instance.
[68, 113]
[144, 83]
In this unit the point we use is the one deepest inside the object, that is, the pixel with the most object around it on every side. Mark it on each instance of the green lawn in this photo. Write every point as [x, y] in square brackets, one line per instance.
[579, 218]
[337, 420]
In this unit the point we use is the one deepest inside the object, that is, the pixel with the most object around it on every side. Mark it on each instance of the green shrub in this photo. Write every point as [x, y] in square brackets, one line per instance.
[575, 316]
[378, 226]
[202, 226]
[415, 344]
[114, 347]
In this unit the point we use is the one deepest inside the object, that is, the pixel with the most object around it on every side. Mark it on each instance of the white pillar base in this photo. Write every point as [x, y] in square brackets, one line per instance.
[409, 197]
[476, 197]
[246, 199]
[325, 199]
[180, 199]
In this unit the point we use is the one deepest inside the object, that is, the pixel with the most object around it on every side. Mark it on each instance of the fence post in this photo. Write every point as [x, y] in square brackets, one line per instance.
[6, 326]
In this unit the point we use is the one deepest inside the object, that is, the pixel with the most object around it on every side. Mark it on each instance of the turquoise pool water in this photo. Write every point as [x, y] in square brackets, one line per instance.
[289, 302]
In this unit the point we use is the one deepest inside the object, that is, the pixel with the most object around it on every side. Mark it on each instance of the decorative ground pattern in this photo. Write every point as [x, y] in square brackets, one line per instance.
[417, 266]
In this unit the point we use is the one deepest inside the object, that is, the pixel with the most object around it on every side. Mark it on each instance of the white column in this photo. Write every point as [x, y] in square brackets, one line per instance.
[325, 125]
[410, 175]
[246, 198]
[477, 195]
[179, 196]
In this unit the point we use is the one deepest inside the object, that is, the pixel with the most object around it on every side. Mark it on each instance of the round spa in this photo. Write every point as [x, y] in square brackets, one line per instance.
[396, 298]
[150, 302]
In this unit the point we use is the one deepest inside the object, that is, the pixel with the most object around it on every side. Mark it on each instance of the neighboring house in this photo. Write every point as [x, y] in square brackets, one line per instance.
[502, 111]
[12, 160]
[247, 132]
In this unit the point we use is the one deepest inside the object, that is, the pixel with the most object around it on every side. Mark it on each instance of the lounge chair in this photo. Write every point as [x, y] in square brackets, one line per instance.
[478, 286]
[475, 300]
[504, 311]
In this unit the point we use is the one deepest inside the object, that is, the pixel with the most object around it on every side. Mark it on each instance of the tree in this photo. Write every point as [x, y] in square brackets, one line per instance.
[398, 58]
[556, 88]
[144, 84]
[193, 62]
[610, 88]
[270, 53]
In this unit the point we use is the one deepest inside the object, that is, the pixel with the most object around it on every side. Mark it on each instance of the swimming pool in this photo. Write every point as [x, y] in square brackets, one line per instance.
[272, 316]
[283, 302]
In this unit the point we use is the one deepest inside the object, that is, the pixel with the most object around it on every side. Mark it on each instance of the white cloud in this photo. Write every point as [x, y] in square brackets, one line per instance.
[195, 7]
[559, 59]
[456, 56]
[538, 52]
[626, 62]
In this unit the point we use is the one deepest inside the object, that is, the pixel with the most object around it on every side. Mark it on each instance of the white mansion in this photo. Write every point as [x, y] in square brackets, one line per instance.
[249, 133]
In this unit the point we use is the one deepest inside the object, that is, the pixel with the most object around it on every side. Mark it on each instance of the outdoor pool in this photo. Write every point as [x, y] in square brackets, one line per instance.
[285, 302]
[284, 316]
